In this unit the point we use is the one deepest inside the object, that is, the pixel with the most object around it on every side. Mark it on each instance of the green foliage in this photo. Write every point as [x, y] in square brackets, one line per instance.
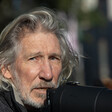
[64, 5]
[93, 18]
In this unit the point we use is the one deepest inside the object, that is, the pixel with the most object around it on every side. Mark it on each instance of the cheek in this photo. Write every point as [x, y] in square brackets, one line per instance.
[56, 72]
[27, 73]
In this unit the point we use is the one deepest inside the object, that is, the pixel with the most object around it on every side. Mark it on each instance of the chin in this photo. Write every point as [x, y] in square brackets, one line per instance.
[37, 102]
[34, 99]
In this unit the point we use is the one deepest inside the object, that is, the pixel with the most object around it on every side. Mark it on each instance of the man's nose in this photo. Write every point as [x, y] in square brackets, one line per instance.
[46, 71]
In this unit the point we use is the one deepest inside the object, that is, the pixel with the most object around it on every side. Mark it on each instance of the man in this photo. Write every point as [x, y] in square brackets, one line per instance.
[34, 56]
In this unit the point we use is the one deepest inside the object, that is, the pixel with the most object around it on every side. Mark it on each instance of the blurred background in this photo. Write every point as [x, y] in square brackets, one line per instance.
[90, 25]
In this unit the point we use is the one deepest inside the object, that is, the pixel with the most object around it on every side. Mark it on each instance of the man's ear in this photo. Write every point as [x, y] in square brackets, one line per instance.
[6, 72]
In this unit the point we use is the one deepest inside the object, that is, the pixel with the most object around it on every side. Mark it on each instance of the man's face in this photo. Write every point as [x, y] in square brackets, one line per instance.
[37, 67]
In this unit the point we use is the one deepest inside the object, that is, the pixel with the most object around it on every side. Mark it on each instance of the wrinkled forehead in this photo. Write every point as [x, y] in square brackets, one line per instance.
[39, 43]
[38, 29]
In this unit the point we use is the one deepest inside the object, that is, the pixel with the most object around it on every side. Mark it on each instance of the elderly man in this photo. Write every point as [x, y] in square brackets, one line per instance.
[34, 56]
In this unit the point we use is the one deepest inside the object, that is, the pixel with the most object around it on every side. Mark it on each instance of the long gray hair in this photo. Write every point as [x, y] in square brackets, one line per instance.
[32, 21]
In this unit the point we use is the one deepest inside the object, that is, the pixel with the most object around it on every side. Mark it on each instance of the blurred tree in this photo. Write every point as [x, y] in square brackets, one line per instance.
[6, 12]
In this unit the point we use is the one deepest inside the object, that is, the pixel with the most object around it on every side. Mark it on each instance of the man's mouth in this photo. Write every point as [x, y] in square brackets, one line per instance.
[41, 90]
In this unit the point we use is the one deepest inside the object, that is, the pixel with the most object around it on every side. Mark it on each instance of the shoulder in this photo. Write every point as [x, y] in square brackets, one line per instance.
[5, 101]
[4, 107]
[8, 102]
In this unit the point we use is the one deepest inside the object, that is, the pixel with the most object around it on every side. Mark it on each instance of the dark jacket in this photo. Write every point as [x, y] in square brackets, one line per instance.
[8, 102]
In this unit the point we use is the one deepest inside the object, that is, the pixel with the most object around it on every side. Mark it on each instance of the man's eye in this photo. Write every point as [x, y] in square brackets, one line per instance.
[33, 58]
[54, 58]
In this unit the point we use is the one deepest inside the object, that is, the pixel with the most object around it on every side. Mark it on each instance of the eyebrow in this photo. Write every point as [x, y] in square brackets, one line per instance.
[40, 53]
[32, 54]
[35, 54]
[55, 54]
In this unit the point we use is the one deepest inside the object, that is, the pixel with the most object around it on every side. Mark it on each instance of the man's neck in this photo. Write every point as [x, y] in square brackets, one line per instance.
[17, 97]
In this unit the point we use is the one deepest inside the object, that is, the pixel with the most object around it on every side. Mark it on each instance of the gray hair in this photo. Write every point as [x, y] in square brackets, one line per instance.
[46, 20]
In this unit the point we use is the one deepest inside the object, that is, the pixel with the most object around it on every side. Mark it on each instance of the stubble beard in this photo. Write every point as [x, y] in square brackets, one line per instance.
[27, 99]
[25, 96]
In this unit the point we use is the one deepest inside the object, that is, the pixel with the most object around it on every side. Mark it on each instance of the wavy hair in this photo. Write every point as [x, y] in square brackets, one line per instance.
[48, 21]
